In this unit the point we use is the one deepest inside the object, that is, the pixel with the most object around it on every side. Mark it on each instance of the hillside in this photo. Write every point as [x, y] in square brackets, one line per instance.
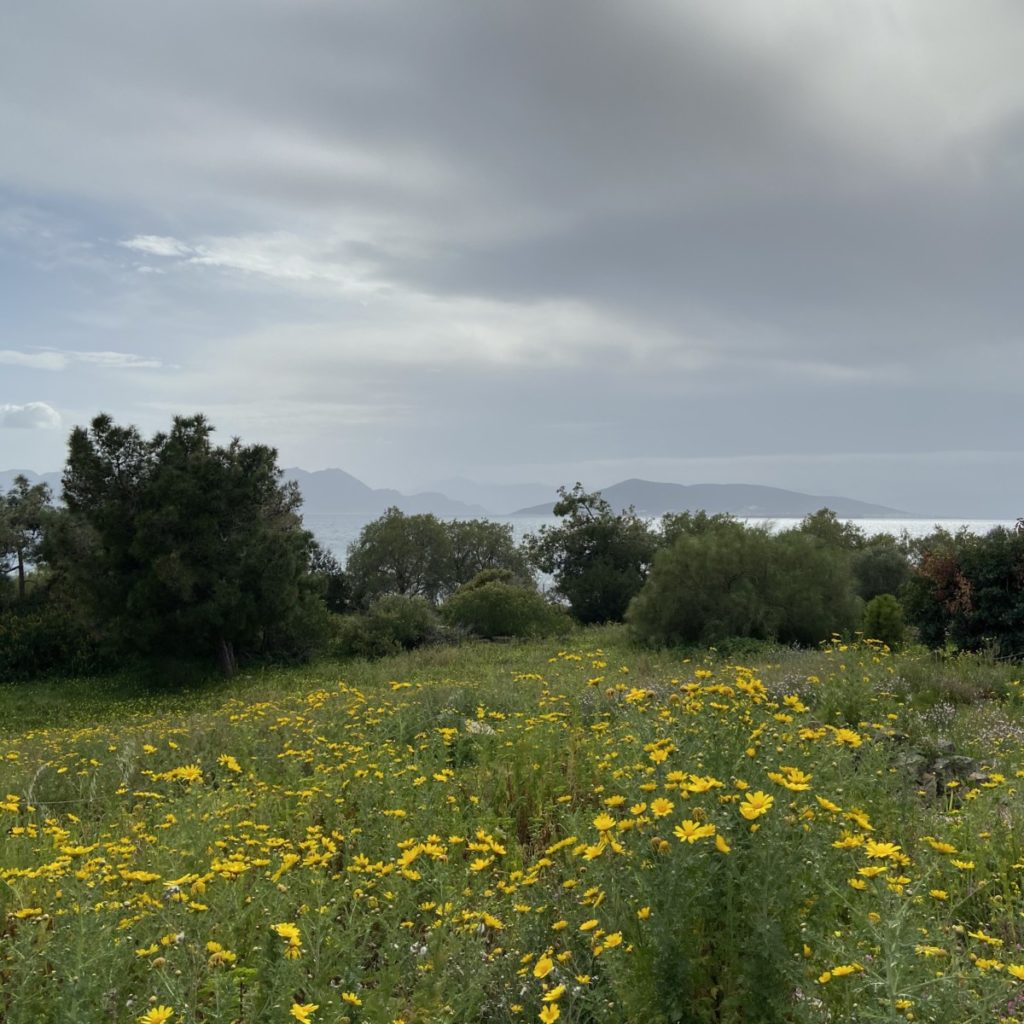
[654, 499]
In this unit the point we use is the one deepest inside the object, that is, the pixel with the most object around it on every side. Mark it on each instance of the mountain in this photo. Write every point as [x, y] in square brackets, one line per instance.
[655, 499]
[498, 499]
[335, 491]
[53, 479]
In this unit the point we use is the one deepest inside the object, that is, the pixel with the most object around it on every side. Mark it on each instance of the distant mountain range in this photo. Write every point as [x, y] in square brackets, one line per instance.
[52, 479]
[333, 491]
[655, 499]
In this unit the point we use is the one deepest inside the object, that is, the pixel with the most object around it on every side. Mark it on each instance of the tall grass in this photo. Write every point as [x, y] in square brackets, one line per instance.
[519, 833]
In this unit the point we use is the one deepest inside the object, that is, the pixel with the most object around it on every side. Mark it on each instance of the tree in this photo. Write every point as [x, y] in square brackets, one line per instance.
[187, 549]
[830, 529]
[969, 590]
[495, 604]
[883, 620]
[477, 545]
[23, 515]
[739, 581]
[421, 556]
[599, 559]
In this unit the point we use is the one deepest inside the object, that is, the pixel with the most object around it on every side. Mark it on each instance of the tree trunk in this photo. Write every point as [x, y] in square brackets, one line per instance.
[21, 576]
[226, 657]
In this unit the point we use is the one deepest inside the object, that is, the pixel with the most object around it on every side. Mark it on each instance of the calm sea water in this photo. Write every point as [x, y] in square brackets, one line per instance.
[336, 531]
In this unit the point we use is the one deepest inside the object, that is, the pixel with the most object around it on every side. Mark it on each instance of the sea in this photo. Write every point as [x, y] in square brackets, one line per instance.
[337, 530]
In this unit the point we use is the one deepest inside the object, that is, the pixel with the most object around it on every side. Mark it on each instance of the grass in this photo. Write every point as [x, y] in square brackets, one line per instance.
[513, 832]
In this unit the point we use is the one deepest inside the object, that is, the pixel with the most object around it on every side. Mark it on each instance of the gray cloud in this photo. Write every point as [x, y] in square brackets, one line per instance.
[30, 416]
[401, 236]
[54, 359]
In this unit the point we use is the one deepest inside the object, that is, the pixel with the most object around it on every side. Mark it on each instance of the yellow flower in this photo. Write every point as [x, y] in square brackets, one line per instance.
[755, 804]
[543, 967]
[689, 831]
[881, 850]
[604, 822]
[157, 1015]
[938, 894]
[660, 807]
[351, 998]
[303, 1011]
[643, 913]
[1017, 970]
[847, 736]
[839, 972]
[590, 925]
[550, 1013]
[555, 994]
[721, 845]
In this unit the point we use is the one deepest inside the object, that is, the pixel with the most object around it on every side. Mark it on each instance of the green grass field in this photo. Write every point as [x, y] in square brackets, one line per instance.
[501, 833]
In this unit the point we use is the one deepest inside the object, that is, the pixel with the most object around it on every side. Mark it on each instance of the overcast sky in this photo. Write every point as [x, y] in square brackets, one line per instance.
[752, 242]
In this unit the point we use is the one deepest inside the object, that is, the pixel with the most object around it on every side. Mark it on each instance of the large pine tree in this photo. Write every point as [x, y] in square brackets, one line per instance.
[193, 550]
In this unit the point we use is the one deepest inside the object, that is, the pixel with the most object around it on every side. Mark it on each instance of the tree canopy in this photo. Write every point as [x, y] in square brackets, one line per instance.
[23, 514]
[598, 558]
[421, 556]
[185, 548]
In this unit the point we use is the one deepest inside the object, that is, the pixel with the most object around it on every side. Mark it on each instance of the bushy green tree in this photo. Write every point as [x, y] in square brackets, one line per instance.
[675, 524]
[883, 620]
[477, 545]
[393, 623]
[185, 549]
[744, 582]
[494, 604]
[421, 556]
[968, 590]
[881, 566]
[598, 558]
[23, 514]
[811, 589]
[831, 530]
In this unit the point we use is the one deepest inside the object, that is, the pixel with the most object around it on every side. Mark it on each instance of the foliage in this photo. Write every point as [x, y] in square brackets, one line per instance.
[23, 514]
[498, 831]
[968, 590]
[334, 583]
[421, 556]
[44, 635]
[883, 620]
[738, 581]
[599, 559]
[880, 566]
[187, 549]
[392, 623]
[831, 530]
[493, 605]
[675, 524]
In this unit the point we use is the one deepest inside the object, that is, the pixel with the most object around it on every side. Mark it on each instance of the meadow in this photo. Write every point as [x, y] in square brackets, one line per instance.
[577, 831]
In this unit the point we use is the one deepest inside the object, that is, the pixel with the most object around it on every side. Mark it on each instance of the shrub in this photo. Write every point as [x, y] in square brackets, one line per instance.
[969, 590]
[392, 624]
[43, 638]
[883, 620]
[744, 582]
[495, 607]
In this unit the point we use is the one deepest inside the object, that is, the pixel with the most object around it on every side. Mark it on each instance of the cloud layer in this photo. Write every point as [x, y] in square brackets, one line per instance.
[30, 416]
[558, 239]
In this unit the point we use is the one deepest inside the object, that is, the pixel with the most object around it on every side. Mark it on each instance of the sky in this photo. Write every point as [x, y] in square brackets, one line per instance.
[744, 242]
